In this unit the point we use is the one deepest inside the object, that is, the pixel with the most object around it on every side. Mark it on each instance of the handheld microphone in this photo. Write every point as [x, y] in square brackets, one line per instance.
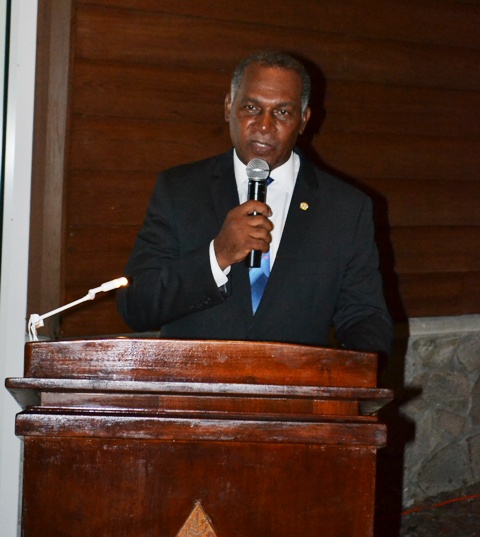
[257, 173]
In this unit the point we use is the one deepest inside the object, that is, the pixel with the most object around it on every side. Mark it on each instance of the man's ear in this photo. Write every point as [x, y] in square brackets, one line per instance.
[228, 106]
[305, 118]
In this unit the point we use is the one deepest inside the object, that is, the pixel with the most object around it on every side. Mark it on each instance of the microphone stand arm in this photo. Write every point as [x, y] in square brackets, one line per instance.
[36, 321]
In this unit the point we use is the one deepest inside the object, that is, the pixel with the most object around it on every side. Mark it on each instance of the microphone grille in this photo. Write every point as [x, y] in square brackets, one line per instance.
[258, 169]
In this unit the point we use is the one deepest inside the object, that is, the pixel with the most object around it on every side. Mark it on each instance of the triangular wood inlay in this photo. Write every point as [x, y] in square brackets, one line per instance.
[197, 524]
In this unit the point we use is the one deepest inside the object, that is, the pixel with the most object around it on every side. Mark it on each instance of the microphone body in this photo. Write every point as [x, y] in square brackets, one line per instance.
[257, 190]
[257, 173]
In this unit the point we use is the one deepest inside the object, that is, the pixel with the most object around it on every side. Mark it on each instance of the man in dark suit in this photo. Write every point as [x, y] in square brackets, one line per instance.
[187, 270]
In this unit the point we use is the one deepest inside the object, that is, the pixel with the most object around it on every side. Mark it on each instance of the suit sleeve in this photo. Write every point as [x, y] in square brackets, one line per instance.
[169, 268]
[361, 319]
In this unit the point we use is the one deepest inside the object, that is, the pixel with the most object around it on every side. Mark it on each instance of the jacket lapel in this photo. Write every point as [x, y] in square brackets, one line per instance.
[303, 208]
[223, 186]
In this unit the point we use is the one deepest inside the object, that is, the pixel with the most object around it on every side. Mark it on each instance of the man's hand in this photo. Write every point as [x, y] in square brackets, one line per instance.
[242, 232]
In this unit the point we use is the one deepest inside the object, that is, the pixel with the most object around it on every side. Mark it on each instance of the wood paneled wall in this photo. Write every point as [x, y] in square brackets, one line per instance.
[397, 112]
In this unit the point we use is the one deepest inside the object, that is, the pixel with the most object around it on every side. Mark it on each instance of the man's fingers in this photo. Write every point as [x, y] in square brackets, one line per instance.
[242, 232]
[260, 222]
[252, 207]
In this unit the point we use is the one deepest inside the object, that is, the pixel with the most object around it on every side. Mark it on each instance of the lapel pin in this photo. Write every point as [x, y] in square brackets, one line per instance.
[304, 205]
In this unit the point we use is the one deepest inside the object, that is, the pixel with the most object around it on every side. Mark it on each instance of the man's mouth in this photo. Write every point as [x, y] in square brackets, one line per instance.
[261, 147]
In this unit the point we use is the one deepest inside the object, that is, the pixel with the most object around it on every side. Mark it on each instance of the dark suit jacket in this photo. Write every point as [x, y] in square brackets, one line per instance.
[325, 271]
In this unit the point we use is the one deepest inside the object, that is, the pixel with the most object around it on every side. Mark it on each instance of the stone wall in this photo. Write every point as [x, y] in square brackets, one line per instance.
[435, 428]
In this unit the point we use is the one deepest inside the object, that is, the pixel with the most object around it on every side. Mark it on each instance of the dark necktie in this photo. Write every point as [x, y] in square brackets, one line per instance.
[259, 276]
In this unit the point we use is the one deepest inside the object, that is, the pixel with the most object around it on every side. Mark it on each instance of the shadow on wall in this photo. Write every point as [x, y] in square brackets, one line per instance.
[401, 429]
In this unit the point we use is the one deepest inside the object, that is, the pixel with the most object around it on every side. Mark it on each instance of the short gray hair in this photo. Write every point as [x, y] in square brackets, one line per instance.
[278, 59]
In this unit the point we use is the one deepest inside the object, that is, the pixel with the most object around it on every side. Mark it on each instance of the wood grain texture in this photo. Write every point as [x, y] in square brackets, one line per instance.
[396, 112]
[183, 429]
[149, 37]
[273, 490]
[200, 361]
[431, 22]
[49, 158]
[140, 428]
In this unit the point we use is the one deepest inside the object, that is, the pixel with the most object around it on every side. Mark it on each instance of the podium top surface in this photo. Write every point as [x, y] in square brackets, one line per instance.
[150, 360]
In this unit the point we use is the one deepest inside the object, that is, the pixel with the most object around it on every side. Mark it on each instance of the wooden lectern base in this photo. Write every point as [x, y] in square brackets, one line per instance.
[193, 439]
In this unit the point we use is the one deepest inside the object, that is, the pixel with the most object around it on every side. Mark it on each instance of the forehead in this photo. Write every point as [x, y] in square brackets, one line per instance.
[272, 83]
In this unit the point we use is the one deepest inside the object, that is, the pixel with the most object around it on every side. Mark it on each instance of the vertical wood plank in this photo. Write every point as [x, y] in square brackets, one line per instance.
[49, 154]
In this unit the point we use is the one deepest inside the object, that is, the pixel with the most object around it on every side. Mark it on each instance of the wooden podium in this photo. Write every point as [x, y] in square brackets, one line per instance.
[169, 438]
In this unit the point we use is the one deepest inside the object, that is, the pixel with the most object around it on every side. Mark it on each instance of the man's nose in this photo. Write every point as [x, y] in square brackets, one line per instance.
[266, 123]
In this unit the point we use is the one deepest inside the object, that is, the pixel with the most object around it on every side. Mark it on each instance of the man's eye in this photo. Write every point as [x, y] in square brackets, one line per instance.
[282, 112]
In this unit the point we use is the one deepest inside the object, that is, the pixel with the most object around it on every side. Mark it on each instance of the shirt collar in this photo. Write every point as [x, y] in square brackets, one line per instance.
[284, 176]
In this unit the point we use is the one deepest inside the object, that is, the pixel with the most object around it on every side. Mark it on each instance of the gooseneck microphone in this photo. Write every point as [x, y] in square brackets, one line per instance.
[36, 321]
[257, 173]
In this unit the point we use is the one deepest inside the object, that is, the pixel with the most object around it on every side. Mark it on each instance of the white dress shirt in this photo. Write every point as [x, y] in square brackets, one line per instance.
[279, 195]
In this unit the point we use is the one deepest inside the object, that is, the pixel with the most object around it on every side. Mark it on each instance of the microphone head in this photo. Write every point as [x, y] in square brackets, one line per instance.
[258, 169]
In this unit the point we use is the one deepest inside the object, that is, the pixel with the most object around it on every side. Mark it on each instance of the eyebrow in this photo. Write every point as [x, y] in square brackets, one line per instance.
[256, 101]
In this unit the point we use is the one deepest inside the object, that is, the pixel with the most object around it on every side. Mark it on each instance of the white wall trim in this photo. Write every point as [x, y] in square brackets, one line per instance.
[16, 221]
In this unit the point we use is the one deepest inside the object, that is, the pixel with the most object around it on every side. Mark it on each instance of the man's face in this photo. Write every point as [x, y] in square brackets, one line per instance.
[266, 115]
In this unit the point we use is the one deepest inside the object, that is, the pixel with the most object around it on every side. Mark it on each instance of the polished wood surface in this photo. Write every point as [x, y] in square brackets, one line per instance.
[110, 487]
[202, 361]
[126, 437]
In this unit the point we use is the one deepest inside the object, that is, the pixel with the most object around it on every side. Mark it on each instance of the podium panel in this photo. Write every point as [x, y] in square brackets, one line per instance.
[166, 438]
